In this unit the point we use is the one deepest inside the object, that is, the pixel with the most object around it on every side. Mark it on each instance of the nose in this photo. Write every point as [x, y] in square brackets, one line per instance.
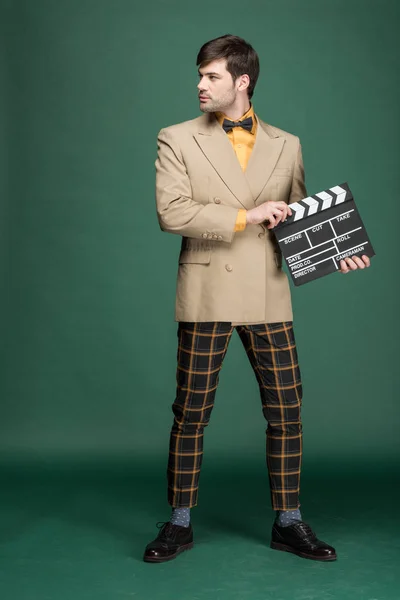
[200, 85]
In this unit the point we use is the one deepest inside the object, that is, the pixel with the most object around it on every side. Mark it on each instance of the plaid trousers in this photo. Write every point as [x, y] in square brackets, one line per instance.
[271, 349]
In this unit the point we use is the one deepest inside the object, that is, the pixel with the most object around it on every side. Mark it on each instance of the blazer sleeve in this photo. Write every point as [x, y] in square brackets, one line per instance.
[298, 190]
[176, 210]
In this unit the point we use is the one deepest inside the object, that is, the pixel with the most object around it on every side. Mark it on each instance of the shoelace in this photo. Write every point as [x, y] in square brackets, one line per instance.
[306, 529]
[169, 530]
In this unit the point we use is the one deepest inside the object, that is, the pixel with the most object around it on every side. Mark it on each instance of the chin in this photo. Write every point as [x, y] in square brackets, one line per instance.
[206, 109]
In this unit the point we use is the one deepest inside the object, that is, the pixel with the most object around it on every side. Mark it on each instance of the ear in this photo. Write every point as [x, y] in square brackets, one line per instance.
[244, 82]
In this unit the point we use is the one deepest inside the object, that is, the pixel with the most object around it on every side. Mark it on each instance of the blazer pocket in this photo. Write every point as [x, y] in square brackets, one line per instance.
[200, 257]
[282, 171]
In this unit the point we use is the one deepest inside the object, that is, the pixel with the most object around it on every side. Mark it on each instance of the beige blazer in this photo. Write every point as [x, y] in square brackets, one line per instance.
[223, 275]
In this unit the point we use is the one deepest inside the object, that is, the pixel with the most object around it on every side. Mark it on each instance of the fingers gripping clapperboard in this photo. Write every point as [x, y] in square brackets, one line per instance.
[322, 230]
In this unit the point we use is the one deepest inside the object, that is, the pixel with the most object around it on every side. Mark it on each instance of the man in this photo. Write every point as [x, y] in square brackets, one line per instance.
[224, 180]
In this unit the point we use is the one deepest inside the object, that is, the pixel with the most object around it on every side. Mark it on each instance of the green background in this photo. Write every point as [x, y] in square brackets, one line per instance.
[89, 339]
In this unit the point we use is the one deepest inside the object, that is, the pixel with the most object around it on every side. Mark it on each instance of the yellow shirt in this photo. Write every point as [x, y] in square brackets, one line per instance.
[242, 142]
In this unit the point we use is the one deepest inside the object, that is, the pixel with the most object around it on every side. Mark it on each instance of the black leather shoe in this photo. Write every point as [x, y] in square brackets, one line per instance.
[301, 540]
[171, 541]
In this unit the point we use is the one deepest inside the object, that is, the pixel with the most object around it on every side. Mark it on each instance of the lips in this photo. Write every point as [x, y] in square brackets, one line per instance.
[203, 98]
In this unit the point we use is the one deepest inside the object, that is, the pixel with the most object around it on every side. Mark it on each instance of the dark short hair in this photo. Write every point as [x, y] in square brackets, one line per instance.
[240, 57]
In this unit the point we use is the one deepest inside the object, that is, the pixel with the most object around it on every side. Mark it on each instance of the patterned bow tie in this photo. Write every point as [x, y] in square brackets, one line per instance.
[246, 124]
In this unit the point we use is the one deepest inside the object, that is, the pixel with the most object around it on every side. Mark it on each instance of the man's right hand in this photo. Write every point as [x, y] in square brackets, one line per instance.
[271, 211]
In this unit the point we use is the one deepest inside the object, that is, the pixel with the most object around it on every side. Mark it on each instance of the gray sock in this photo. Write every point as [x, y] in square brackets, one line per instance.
[285, 518]
[180, 516]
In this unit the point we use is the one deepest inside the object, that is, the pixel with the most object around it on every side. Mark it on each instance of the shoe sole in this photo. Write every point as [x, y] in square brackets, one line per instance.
[284, 548]
[171, 557]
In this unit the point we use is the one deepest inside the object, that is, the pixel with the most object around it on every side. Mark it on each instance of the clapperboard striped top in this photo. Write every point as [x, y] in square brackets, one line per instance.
[319, 202]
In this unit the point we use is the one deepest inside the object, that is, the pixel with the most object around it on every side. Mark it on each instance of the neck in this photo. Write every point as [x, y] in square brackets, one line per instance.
[236, 112]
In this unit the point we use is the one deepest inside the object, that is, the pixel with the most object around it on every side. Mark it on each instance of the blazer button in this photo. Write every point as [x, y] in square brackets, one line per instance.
[204, 235]
[228, 267]
[217, 200]
[261, 234]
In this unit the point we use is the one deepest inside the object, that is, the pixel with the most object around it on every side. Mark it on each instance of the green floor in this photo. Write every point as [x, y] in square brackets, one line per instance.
[69, 533]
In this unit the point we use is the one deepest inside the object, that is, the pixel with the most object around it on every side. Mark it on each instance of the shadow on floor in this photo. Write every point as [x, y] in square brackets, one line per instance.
[126, 501]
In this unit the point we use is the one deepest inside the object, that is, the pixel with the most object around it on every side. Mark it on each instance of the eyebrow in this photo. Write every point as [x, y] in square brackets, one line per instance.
[209, 73]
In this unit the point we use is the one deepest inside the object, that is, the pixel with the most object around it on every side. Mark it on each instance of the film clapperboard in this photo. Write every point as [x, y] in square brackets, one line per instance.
[322, 230]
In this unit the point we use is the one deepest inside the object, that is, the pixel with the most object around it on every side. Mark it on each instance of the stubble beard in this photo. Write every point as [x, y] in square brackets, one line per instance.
[219, 104]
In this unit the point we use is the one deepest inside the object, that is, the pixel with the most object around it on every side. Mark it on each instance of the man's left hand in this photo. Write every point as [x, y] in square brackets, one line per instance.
[353, 263]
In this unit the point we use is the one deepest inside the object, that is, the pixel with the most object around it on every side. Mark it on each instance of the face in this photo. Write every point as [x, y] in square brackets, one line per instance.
[217, 90]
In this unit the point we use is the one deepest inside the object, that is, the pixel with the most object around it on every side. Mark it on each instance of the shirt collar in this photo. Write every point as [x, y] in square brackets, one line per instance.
[220, 116]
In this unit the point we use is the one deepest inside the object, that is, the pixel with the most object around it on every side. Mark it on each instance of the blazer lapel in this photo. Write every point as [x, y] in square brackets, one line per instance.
[216, 146]
[246, 186]
[265, 154]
